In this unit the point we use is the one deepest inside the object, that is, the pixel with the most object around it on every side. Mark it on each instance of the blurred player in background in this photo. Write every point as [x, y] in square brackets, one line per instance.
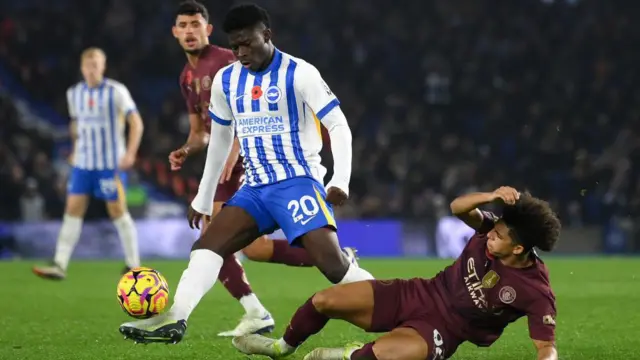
[273, 102]
[496, 280]
[99, 108]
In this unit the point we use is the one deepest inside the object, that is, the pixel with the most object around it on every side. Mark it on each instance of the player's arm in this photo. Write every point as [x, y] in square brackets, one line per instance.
[220, 144]
[541, 314]
[73, 134]
[319, 97]
[128, 108]
[465, 207]
[198, 136]
[73, 125]
[546, 350]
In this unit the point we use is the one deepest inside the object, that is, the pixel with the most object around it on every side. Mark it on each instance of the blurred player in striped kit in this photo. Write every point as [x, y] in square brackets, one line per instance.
[99, 108]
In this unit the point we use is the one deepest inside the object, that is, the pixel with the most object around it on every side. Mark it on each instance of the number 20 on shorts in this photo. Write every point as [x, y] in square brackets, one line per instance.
[304, 209]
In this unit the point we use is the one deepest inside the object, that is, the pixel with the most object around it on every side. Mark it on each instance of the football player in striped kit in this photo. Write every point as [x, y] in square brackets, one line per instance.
[99, 108]
[192, 30]
[274, 103]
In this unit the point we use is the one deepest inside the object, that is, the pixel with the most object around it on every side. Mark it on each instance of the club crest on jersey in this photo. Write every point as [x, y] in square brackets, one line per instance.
[507, 295]
[273, 94]
[206, 83]
[490, 279]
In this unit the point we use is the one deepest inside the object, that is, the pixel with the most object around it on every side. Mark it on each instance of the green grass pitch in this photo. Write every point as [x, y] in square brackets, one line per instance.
[598, 312]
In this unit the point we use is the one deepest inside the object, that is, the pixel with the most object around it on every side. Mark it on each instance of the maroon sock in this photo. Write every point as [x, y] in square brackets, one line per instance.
[283, 253]
[233, 278]
[364, 353]
[305, 322]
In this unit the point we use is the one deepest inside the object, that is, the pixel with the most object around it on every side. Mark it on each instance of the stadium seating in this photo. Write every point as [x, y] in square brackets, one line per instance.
[449, 98]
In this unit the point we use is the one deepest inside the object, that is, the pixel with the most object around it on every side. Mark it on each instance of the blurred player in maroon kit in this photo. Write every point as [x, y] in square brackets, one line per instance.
[496, 280]
[192, 29]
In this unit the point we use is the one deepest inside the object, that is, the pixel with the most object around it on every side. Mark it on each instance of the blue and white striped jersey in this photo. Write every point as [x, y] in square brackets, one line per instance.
[276, 114]
[100, 114]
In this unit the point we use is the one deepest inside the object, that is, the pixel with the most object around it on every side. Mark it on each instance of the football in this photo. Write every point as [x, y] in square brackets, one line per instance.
[143, 293]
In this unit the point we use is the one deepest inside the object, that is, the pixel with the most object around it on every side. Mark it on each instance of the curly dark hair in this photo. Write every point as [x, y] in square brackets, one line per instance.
[191, 7]
[245, 16]
[533, 223]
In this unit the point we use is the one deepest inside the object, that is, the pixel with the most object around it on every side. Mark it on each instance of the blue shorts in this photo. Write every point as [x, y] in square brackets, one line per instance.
[107, 185]
[297, 206]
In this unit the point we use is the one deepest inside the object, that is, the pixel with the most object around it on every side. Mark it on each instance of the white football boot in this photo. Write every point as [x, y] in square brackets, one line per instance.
[251, 324]
[352, 255]
[333, 353]
[51, 272]
[261, 345]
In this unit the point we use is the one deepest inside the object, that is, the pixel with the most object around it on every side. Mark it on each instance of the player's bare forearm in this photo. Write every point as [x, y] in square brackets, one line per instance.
[136, 128]
[196, 142]
[198, 136]
[465, 207]
[73, 134]
[546, 350]
[73, 130]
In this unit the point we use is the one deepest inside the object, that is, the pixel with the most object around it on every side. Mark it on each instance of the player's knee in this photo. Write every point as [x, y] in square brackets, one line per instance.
[252, 253]
[401, 344]
[76, 206]
[325, 301]
[115, 209]
[383, 351]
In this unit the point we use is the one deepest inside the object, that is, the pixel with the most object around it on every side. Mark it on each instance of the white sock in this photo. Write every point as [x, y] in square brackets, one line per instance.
[129, 238]
[355, 273]
[67, 240]
[253, 306]
[196, 281]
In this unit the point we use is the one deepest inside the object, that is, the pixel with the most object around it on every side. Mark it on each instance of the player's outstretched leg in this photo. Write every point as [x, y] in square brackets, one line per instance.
[256, 318]
[351, 302]
[298, 206]
[400, 344]
[278, 251]
[231, 230]
[323, 247]
[68, 237]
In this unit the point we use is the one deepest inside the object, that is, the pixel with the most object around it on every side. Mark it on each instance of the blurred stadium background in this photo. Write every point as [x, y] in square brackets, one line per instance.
[443, 97]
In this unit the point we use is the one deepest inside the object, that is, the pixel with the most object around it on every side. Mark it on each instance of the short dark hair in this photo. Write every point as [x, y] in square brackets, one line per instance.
[533, 223]
[245, 16]
[191, 7]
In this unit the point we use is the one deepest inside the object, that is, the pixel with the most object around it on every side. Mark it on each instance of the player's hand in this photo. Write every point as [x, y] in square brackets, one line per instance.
[177, 158]
[127, 162]
[336, 196]
[506, 194]
[194, 218]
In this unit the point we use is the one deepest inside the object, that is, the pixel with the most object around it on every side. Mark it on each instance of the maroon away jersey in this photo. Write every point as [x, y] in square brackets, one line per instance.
[195, 83]
[479, 296]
